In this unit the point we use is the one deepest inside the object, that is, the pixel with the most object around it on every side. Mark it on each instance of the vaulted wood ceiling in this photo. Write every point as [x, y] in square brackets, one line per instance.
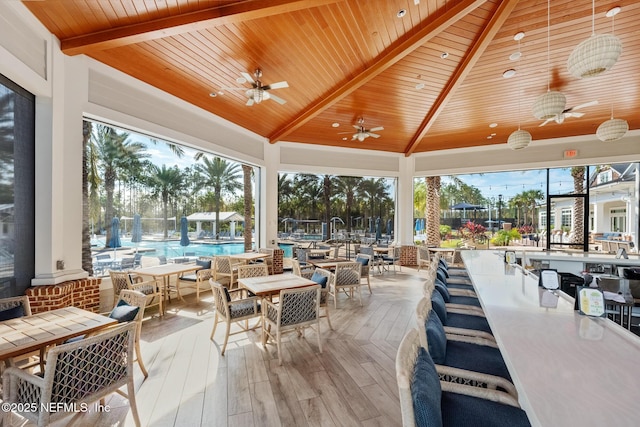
[350, 59]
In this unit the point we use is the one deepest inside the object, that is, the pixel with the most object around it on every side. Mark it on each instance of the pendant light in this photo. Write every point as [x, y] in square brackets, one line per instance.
[519, 139]
[552, 103]
[595, 55]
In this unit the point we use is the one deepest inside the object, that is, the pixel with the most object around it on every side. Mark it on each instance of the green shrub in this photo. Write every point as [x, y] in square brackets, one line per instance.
[445, 232]
[504, 237]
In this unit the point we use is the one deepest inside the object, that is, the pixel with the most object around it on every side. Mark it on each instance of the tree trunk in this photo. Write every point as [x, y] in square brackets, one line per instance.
[578, 174]
[248, 199]
[433, 210]
[87, 263]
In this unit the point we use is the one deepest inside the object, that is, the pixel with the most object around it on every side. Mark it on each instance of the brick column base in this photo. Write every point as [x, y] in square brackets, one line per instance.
[409, 255]
[278, 261]
[83, 293]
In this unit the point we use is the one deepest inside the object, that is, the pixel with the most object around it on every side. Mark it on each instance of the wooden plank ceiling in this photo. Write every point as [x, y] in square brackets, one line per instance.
[431, 78]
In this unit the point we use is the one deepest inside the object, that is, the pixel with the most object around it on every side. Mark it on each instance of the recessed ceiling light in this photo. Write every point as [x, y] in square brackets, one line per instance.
[489, 137]
[515, 56]
[519, 36]
[444, 55]
[213, 94]
[241, 80]
[493, 134]
[401, 13]
[420, 86]
[335, 125]
[509, 73]
[344, 138]
[613, 11]
[493, 125]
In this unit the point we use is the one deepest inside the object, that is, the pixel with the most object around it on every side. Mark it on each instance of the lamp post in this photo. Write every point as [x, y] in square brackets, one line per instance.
[499, 210]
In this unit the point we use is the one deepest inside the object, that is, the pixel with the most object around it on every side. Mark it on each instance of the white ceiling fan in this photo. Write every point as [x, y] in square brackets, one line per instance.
[569, 112]
[259, 92]
[362, 133]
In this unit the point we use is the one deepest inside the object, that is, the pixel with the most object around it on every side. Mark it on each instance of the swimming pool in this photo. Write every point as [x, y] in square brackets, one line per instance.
[172, 248]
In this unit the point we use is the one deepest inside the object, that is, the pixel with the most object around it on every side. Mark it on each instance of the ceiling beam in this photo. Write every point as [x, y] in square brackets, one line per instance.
[174, 25]
[432, 29]
[490, 30]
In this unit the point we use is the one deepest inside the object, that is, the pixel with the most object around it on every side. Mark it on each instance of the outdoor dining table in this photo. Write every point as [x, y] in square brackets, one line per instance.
[165, 271]
[26, 334]
[267, 286]
[246, 257]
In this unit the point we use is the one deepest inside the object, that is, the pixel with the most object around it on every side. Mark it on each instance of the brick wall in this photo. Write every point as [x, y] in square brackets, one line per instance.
[83, 293]
[278, 261]
[409, 255]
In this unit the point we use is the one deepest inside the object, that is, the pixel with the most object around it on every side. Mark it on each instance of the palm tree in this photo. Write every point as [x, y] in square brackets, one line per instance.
[326, 197]
[222, 177]
[116, 154]
[347, 185]
[578, 174]
[532, 197]
[433, 210]
[165, 183]
[248, 199]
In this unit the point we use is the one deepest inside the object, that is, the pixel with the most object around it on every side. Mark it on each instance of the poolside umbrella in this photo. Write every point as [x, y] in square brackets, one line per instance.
[418, 226]
[114, 242]
[371, 225]
[184, 233]
[389, 227]
[378, 229]
[136, 230]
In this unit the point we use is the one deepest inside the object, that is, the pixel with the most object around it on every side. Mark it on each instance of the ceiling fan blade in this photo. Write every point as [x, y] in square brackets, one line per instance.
[277, 99]
[577, 114]
[376, 129]
[278, 85]
[374, 135]
[357, 127]
[585, 105]
[248, 77]
[250, 102]
[547, 121]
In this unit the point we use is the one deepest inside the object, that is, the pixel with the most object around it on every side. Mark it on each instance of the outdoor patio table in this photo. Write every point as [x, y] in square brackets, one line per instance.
[246, 257]
[266, 286]
[165, 271]
[26, 334]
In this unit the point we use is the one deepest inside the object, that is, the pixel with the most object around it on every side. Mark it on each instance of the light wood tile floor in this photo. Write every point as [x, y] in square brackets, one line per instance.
[351, 383]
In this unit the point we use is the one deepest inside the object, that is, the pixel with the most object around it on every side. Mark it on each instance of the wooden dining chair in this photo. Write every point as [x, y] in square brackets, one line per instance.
[134, 299]
[346, 277]
[252, 270]
[199, 279]
[151, 288]
[225, 271]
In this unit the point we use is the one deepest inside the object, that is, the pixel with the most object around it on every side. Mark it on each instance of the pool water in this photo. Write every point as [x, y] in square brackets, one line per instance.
[172, 248]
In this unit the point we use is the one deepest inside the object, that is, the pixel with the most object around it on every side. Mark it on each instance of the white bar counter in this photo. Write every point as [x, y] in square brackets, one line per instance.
[569, 369]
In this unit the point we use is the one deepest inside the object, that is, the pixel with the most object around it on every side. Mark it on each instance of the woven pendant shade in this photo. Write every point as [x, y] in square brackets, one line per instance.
[612, 130]
[594, 56]
[519, 139]
[549, 105]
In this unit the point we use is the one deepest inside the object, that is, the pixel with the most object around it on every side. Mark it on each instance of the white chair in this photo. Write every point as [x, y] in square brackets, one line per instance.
[197, 279]
[225, 271]
[236, 310]
[347, 278]
[296, 310]
[423, 257]
[153, 290]
[305, 271]
[365, 270]
[136, 299]
[78, 373]
[253, 270]
[324, 292]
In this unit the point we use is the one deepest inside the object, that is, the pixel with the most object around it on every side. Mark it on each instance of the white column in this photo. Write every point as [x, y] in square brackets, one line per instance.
[634, 225]
[232, 227]
[59, 172]
[198, 228]
[268, 230]
[403, 226]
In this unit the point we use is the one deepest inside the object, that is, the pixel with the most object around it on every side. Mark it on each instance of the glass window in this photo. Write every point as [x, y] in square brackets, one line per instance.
[619, 220]
[566, 217]
[17, 181]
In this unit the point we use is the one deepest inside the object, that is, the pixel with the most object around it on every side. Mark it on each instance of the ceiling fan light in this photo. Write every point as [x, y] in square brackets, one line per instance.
[594, 55]
[549, 105]
[612, 130]
[519, 139]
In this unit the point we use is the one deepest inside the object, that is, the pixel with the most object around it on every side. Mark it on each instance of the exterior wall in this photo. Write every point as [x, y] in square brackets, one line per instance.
[84, 293]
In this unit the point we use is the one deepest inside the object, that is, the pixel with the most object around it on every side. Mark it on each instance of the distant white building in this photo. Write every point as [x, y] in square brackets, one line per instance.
[613, 203]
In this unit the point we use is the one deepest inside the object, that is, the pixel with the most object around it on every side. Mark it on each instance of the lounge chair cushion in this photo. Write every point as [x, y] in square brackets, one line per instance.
[363, 260]
[189, 277]
[12, 313]
[436, 338]
[206, 264]
[319, 279]
[426, 392]
[438, 305]
[440, 287]
[441, 276]
[463, 410]
[124, 312]
[445, 271]
[242, 309]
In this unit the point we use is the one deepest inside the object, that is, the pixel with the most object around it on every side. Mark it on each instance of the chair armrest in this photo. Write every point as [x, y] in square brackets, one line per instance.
[469, 333]
[206, 273]
[11, 377]
[146, 285]
[492, 382]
